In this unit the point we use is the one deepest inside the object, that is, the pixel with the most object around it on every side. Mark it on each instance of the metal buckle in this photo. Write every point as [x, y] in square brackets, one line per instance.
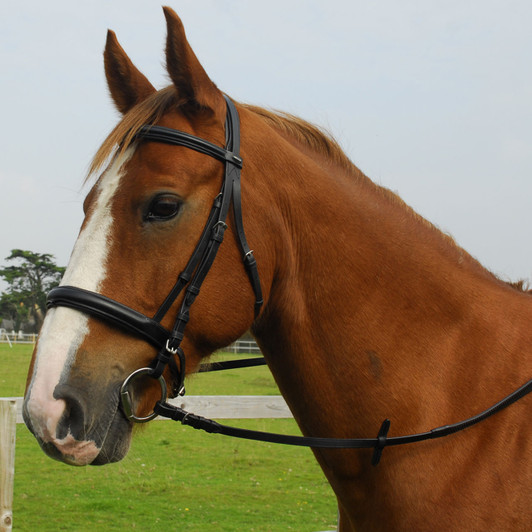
[219, 226]
[125, 397]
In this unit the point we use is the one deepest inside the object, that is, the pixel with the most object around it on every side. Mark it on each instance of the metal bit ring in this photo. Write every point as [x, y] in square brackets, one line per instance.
[125, 397]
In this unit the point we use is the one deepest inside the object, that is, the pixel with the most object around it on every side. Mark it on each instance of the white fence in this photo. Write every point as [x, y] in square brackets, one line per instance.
[16, 337]
[243, 346]
[213, 406]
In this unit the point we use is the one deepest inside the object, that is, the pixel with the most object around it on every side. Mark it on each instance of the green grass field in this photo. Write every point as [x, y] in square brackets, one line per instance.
[174, 478]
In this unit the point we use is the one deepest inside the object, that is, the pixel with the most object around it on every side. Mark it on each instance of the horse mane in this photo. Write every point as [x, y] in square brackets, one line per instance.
[315, 137]
[523, 285]
[150, 110]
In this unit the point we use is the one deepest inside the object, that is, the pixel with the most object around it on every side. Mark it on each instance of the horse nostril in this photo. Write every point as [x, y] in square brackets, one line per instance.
[73, 419]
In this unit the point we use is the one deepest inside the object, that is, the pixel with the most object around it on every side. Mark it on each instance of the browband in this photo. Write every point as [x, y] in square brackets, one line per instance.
[175, 137]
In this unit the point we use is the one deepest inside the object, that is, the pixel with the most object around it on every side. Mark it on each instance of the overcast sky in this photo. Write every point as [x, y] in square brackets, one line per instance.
[430, 99]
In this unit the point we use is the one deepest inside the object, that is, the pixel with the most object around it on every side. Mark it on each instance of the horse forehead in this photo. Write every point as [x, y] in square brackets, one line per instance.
[107, 185]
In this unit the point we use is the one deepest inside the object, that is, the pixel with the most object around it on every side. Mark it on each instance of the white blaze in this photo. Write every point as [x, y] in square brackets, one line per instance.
[64, 329]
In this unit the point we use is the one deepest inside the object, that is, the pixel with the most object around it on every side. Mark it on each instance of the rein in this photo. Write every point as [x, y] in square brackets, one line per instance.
[190, 280]
[377, 444]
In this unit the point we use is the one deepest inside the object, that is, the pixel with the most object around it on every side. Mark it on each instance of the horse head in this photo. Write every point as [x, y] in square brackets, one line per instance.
[143, 219]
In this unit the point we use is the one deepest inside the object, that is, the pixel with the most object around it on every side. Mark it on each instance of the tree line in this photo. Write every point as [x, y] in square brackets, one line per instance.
[29, 277]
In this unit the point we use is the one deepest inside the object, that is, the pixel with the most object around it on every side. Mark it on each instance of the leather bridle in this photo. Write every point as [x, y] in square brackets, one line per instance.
[168, 342]
[194, 273]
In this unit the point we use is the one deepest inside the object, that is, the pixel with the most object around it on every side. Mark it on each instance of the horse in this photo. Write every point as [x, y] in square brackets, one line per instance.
[366, 310]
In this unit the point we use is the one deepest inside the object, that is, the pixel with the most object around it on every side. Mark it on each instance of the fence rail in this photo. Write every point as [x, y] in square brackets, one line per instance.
[214, 406]
[243, 346]
[13, 337]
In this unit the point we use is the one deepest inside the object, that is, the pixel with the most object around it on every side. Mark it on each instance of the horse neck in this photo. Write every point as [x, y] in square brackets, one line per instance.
[373, 310]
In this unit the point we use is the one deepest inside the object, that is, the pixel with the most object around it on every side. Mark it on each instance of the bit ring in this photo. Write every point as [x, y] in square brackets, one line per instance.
[125, 397]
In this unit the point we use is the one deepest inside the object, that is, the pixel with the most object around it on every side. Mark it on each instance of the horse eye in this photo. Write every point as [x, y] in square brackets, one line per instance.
[163, 207]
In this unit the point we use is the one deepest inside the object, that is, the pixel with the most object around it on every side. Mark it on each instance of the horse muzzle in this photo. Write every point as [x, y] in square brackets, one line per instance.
[67, 431]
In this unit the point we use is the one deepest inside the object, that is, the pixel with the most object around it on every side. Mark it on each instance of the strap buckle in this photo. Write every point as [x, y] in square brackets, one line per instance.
[218, 231]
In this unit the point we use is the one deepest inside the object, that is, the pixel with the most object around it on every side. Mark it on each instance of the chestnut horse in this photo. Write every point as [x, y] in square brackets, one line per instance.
[369, 311]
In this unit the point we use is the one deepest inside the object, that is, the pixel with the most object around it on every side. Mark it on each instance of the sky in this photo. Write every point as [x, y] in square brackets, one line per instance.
[430, 99]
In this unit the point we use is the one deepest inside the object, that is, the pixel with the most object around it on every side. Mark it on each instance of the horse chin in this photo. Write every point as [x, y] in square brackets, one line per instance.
[117, 441]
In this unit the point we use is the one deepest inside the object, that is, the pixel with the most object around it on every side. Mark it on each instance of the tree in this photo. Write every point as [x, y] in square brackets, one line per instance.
[29, 280]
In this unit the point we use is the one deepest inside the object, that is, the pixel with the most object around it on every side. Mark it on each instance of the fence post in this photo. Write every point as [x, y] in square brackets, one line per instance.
[8, 420]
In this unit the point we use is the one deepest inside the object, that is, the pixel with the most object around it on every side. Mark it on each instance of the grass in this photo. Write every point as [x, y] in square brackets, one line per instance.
[174, 478]
[14, 363]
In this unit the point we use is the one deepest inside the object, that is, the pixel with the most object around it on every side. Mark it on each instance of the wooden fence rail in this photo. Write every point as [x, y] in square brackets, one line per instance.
[211, 406]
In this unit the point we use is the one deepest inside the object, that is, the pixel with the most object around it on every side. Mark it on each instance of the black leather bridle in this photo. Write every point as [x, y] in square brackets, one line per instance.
[191, 278]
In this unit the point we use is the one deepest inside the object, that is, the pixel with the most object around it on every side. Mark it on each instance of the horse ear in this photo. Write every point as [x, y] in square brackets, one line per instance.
[128, 86]
[190, 79]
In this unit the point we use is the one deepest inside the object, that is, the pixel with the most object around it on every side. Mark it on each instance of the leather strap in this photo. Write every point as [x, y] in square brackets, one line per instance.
[109, 311]
[232, 140]
[167, 135]
[233, 364]
[130, 321]
[203, 257]
[378, 443]
[185, 276]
